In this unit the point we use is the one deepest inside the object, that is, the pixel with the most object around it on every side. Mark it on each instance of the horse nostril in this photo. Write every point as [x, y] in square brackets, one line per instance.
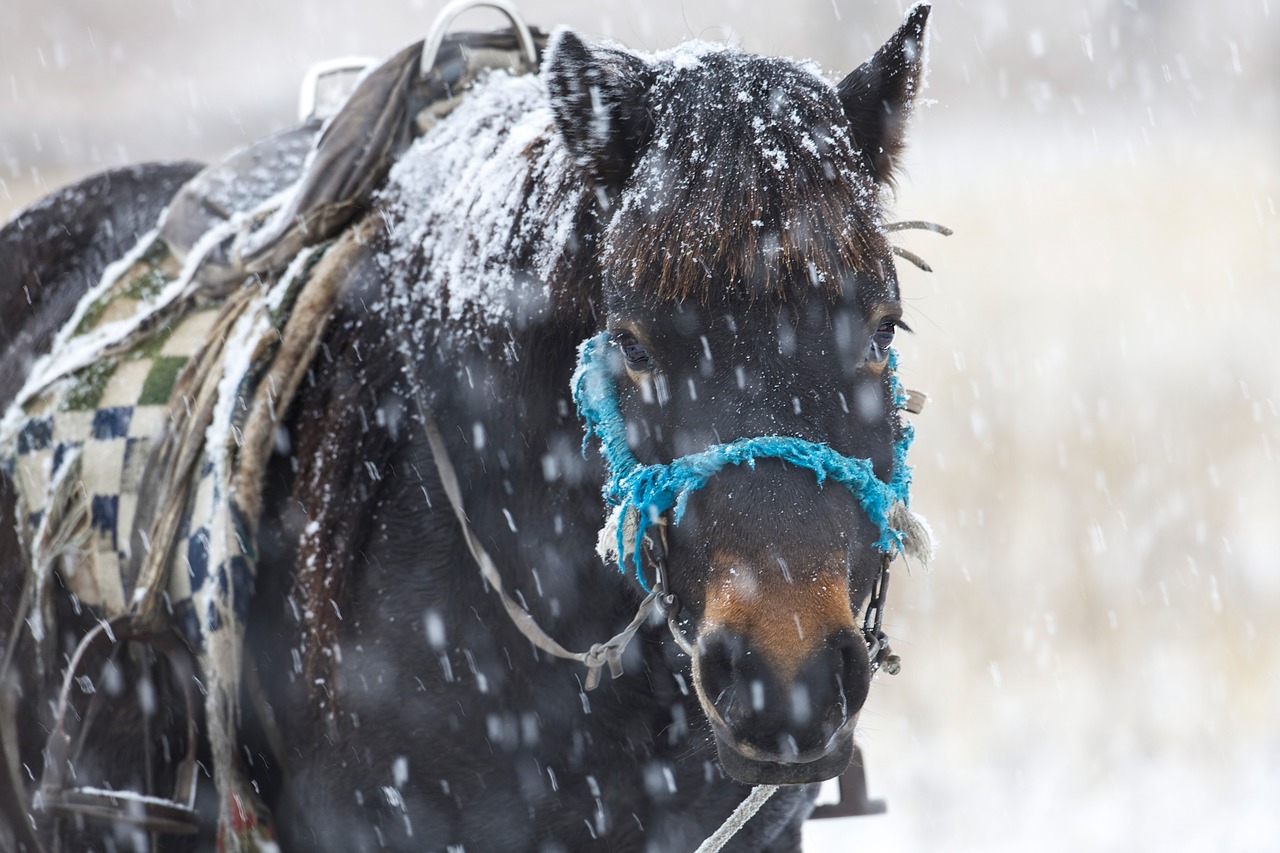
[854, 672]
[719, 653]
[788, 713]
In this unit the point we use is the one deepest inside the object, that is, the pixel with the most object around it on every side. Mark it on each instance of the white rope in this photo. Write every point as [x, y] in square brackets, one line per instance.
[918, 539]
[601, 654]
[746, 810]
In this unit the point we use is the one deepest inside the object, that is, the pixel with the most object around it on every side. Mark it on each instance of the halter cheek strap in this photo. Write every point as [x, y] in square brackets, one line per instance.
[641, 494]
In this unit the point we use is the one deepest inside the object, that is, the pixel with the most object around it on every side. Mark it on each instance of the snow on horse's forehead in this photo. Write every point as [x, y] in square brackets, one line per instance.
[747, 175]
[751, 178]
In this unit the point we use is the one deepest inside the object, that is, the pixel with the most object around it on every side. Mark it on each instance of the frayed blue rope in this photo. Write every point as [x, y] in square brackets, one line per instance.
[653, 489]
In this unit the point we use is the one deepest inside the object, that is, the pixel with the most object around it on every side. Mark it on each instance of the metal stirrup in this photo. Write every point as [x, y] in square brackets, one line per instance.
[440, 26]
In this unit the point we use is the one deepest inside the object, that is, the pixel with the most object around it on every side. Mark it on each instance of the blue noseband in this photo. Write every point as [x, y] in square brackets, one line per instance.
[651, 490]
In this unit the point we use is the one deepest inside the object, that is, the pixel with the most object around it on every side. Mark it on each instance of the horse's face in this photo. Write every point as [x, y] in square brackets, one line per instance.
[749, 291]
[769, 567]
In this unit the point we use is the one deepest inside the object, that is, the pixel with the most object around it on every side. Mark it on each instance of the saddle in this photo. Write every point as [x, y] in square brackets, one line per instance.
[139, 444]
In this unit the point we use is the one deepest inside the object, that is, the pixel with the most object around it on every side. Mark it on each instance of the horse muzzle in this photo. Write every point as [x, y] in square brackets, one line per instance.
[777, 724]
[759, 771]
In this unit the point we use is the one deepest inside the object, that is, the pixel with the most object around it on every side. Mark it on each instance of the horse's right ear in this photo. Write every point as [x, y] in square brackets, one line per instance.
[598, 97]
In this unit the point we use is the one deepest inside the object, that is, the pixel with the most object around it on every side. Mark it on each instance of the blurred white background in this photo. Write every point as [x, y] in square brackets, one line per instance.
[1093, 661]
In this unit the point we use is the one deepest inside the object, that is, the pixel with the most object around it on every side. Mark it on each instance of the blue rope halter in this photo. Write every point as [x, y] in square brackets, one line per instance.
[651, 490]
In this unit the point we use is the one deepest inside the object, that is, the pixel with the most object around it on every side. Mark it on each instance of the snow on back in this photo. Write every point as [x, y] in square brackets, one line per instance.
[479, 211]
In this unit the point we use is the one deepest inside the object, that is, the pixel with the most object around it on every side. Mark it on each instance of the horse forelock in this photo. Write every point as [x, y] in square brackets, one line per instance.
[751, 184]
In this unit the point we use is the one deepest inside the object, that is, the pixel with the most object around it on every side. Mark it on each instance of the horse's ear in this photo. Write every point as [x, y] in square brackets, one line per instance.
[598, 98]
[877, 97]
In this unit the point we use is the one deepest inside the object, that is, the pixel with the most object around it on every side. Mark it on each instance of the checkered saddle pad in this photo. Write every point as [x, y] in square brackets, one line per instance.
[138, 443]
[137, 449]
[87, 448]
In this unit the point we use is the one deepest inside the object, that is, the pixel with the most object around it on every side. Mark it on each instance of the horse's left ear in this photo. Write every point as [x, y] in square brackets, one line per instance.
[598, 99]
[877, 97]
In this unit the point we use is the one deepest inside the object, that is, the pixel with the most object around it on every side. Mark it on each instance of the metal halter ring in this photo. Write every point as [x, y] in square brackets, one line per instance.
[655, 552]
[440, 26]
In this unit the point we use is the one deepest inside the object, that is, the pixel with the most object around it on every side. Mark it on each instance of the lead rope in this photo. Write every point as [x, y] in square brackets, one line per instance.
[609, 652]
[746, 810]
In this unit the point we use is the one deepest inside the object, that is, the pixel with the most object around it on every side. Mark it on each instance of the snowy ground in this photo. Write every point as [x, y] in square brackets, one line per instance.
[1093, 662]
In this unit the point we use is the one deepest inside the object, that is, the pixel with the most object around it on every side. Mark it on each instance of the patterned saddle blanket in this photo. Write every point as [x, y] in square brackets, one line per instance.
[139, 442]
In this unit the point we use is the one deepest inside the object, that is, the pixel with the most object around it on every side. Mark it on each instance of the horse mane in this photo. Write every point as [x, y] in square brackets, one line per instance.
[484, 216]
[752, 184]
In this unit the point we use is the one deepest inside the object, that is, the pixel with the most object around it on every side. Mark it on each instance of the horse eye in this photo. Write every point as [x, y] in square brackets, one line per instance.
[882, 339]
[636, 355]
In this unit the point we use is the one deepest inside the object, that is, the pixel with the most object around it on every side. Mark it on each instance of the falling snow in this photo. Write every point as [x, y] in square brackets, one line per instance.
[1091, 664]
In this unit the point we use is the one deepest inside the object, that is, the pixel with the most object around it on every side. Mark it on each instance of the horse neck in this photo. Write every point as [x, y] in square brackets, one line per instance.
[532, 496]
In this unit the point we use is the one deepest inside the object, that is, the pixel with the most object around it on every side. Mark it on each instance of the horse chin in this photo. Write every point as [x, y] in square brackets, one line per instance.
[755, 771]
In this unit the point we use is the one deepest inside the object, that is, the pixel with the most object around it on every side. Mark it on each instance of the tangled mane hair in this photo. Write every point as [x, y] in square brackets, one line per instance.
[751, 185]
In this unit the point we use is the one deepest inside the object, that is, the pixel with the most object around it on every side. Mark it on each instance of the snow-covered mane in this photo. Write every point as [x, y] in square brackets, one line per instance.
[480, 213]
[746, 179]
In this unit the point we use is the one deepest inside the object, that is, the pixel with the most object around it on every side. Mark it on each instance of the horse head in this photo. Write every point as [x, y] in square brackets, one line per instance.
[749, 292]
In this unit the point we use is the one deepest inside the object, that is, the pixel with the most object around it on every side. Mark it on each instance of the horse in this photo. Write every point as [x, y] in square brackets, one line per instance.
[686, 249]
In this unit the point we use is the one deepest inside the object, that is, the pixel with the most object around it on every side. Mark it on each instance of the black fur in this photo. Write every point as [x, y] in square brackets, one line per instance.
[399, 708]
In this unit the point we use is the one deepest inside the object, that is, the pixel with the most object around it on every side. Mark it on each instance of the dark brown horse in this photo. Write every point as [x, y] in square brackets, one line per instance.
[719, 215]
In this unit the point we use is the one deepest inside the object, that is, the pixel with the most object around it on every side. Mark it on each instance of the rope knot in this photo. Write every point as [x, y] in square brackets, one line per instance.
[600, 654]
